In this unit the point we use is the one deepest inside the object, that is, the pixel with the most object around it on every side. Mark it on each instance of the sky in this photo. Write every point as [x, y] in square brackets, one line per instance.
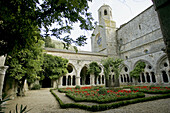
[122, 12]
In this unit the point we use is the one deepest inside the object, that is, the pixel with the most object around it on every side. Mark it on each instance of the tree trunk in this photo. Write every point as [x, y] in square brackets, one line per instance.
[21, 88]
[117, 83]
[163, 9]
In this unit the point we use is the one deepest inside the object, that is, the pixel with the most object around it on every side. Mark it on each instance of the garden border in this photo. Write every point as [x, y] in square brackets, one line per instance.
[102, 107]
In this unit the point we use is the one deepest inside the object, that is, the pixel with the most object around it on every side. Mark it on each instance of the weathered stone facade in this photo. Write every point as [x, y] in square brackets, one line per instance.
[140, 39]
[78, 62]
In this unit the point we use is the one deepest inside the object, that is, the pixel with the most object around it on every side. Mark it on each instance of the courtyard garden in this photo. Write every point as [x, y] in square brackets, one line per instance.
[109, 98]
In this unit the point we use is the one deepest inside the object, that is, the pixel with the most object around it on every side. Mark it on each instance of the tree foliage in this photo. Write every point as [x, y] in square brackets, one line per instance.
[26, 64]
[54, 66]
[111, 63]
[139, 68]
[94, 68]
[18, 18]
[48, 42]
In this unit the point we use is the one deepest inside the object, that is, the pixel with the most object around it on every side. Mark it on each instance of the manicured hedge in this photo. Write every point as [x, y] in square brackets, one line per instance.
[153, 91]
[105, 100]
[102, 107]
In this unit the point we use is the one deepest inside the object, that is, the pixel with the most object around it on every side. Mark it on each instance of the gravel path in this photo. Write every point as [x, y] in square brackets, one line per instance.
[42, 101]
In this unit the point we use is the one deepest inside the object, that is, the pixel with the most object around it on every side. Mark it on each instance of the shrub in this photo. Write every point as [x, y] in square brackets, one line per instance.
[102, 107]
[102, 91]
[77, 87]
[36, 87]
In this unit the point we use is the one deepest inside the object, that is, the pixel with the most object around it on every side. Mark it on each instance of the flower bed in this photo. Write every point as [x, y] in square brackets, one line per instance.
[102, 107]
[100, 95]
[151, 89]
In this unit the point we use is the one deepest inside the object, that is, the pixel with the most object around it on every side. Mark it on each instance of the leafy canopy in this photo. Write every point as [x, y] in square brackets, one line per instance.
[94, 68]
[26, 64]
[54, 66]
[139, 68]
[18, 18]
[111, 63]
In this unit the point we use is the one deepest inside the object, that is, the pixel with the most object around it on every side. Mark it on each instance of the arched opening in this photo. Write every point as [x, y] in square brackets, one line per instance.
[85, 78]
[148, 77]
[105, 12]
[127, 78]
[165, 77]
[87, 82]
[124, 78]
[139, 80]
[64, 81]
[69, 80]
[102, 79]
[74, 80]
[46, 82]
[143, 78]
[99, 80]
[121, 78]
[69, 68]
[153, 77]
[131, 79]
[113, 78]
[165, 64]
[126, 69]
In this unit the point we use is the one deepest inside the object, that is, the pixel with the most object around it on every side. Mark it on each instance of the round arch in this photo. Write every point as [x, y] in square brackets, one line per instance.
[73, 67]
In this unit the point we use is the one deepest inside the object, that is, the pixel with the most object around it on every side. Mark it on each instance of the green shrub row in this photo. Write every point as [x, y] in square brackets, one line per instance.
[104, 100]
[102, 107]
[151, 91]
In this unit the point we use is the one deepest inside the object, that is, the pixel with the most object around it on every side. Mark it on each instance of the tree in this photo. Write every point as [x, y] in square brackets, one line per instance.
[139, 68]
[48, 42]
[54, 66]
[18, 18]
[112, 64]
[26, 64]
[94, 69]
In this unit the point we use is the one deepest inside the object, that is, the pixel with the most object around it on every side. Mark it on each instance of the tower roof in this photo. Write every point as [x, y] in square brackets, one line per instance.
[104, 5]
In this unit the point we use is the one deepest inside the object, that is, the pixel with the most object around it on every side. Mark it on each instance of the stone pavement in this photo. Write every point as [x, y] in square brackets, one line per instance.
[42, 101]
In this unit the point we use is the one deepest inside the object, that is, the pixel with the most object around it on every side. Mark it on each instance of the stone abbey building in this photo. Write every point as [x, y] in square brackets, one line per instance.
[140, 39]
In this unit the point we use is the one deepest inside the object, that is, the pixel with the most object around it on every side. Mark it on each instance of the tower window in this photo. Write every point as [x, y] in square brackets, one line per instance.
[140, 27]
[105, 12]
[100, 13]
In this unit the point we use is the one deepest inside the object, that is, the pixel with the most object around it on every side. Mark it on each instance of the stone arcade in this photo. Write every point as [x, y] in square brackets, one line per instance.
[140, 39]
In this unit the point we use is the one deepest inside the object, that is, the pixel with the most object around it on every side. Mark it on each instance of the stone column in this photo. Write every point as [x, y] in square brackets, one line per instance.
[150, 77]
[91, 79]
[60, 81]
[100, 79]
[71, 81]
[2, 76]
[78, 81]
[54, 83]
[146, 81]
[141, 78]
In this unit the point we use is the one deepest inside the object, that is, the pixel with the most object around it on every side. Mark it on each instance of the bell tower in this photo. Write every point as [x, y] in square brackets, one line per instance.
[104, 38]
[104, 13]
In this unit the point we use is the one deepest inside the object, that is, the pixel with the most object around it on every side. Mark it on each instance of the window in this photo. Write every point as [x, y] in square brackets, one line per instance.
[105, 12]
[126, 69]
[140, 27]
[146, 51]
